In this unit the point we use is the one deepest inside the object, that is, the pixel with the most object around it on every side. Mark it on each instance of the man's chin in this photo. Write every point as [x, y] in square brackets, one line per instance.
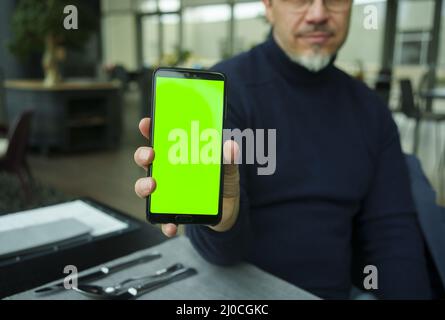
[314, 62]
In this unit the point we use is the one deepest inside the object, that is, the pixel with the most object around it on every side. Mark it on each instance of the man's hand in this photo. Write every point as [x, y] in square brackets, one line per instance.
[231, 195]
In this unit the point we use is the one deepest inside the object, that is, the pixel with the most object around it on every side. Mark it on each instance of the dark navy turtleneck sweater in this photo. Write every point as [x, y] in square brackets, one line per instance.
[340, 197]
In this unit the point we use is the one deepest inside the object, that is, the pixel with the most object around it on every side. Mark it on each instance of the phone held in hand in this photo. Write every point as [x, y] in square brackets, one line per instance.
[188, 111]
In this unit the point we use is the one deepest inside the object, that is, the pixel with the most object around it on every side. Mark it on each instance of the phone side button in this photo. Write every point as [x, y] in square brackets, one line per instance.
[183, 219]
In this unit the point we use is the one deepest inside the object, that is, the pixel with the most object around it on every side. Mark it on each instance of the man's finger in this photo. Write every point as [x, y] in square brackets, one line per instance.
[144, 187]
[144, 127]
[231, 154]
[169, 229]
[144, 157]
[231, 173]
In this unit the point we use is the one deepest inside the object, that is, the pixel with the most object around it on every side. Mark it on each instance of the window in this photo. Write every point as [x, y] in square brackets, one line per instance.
[150, 40]
[251, 26]
[150, 6]
[206, 32]
[412, 47]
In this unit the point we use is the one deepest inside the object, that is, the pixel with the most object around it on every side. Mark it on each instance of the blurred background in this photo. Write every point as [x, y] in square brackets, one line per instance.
[88, 88]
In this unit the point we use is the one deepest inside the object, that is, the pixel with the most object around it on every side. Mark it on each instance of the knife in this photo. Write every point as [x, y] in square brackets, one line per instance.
[103, 272]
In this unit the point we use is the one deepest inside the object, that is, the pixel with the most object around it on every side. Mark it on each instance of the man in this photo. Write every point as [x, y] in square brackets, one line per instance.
[341, 191]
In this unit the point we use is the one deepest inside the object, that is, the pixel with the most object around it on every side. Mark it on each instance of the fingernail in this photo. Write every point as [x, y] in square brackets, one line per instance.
[144, 154]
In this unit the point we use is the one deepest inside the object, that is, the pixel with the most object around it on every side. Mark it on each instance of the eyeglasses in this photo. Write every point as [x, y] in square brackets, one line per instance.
[331, 5]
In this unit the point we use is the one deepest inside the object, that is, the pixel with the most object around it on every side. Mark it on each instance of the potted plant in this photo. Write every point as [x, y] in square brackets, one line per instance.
[38, 27]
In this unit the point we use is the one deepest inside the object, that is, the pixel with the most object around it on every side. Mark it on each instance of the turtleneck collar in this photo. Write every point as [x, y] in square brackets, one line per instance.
[292, 70]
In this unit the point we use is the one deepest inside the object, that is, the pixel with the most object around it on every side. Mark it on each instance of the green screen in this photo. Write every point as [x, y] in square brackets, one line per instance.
[187, 137]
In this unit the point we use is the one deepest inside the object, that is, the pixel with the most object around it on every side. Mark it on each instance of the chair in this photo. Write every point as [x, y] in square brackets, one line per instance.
[431, 218]
[14, 158]
[2, 100]
[411, 110]
[424, 84]
[121, 74]
[383, 84]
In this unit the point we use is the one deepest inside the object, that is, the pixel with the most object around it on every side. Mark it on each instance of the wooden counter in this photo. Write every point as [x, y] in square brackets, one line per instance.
[64, 86]
[74, 115]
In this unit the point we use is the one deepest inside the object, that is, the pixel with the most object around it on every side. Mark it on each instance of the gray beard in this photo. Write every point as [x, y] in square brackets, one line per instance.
[314, 62]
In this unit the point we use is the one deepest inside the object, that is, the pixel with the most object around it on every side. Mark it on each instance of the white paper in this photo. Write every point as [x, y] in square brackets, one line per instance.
[99, 222]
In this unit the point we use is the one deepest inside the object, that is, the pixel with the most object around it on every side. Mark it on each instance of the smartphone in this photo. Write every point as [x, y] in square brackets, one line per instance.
[188, 112]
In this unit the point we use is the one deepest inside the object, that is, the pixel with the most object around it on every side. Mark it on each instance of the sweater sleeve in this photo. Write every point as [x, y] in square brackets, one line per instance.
[387, 229]
[229, 247]
[223, 248]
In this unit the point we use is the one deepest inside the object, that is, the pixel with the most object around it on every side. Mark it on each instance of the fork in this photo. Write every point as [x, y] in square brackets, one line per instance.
[159, 273]
[98, 292]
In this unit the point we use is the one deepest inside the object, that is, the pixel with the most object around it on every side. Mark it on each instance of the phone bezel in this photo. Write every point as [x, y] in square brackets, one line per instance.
[208, 219]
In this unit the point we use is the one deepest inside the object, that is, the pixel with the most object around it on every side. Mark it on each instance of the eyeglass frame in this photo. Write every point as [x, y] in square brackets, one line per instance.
[309, 3]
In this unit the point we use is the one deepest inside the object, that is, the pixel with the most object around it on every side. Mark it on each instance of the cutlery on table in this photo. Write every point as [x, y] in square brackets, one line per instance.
[159, 273]
[98, 292]
[101, 273]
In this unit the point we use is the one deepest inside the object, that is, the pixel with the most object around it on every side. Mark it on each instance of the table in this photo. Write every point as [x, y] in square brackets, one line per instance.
[435, 93]
[242, 281]
[27, 274]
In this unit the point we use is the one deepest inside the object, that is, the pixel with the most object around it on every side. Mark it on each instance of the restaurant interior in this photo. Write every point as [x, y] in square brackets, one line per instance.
[68, 134]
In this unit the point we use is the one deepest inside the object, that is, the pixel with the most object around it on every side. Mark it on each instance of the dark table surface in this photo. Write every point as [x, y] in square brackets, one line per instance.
[211, 282]
[30, 273]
